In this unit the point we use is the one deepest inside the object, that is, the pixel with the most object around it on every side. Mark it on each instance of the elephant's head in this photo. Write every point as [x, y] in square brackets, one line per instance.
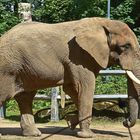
[110, 42]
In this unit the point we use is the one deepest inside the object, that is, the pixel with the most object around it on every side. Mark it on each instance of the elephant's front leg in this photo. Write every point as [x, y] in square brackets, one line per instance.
[81, 91]
[24, 100]
[85, 104]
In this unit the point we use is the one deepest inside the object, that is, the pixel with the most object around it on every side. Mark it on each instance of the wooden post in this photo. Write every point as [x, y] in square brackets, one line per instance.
[54, 104]
[24, 10]
[62, 97]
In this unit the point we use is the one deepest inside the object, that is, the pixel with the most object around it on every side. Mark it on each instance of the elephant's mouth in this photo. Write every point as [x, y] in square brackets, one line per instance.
[132, 76]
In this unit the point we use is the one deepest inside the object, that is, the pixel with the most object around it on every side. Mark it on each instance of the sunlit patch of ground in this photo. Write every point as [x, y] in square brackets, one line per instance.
[104, 130]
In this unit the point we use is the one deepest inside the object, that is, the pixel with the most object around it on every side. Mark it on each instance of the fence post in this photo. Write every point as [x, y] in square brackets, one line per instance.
[54, 104]
[108, 9]
[2, 111]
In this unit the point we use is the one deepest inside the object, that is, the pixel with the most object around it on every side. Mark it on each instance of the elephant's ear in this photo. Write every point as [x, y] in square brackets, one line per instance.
[95, 42]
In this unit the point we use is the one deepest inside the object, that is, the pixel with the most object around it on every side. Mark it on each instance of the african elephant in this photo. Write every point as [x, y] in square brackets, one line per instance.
[38, 55]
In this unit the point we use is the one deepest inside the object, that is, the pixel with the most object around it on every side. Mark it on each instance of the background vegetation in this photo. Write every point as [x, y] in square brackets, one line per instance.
[54, 11]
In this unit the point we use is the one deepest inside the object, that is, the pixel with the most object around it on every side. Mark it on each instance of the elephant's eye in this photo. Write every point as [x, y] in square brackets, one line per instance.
[127, 46]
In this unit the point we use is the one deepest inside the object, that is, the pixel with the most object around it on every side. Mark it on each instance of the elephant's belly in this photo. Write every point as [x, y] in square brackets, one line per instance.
[35, 84]
[42, 76]
[32, 82]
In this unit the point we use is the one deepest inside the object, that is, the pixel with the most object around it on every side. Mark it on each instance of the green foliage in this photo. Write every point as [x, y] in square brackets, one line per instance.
[137, 32]
[53, 11]
[40, 104]
[127, 11]
[111, 85]
[122, 10]
[89, 8]
[44, 91]
[12, 108]
[57, 10]
[8, 18]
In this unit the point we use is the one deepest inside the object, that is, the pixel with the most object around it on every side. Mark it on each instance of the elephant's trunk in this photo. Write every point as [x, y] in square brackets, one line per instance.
[133, 94]
[133, 110]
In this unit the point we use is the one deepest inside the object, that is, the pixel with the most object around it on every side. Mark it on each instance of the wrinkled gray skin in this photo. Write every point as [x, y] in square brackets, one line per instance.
[36, 55]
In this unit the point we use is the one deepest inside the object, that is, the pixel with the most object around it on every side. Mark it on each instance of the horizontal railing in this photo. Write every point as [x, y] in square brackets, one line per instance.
[96, 97]
[112, 72]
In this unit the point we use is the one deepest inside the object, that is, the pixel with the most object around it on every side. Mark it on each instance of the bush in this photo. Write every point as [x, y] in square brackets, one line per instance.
[111, 85]
[8, 18]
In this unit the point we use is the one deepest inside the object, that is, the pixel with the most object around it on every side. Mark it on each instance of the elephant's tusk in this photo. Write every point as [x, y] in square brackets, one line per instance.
[133, 77]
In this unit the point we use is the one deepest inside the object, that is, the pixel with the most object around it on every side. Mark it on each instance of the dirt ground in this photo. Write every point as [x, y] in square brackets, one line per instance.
[10, 130]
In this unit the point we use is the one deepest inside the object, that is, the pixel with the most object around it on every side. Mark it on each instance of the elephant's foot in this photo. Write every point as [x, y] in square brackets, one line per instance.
[28, 126]
[85, 130]
[31, 131]
[85, 133]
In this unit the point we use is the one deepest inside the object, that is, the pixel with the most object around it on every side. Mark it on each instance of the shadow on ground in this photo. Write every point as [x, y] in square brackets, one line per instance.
[50, 131]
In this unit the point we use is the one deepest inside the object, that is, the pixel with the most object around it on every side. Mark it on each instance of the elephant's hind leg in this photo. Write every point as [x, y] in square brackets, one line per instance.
[27, 123]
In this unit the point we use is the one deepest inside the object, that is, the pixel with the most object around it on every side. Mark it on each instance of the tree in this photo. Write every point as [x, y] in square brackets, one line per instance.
[8, 18]
[128, 12]
[53, 11]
